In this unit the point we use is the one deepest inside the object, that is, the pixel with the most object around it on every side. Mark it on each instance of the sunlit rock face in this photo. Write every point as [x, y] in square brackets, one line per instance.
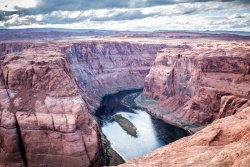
[103, 67]
[44, 120]
[200, 83]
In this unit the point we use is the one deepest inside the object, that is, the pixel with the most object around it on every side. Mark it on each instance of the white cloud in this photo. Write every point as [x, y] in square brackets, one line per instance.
[185, 16]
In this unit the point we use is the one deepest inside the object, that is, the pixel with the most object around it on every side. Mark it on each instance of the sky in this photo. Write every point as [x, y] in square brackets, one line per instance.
[139, 15]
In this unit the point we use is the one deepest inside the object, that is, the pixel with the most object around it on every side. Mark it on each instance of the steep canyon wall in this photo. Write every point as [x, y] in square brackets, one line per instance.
[200, 83]
[103, 67]
[44, 120]
[48, 90]
[193, 86]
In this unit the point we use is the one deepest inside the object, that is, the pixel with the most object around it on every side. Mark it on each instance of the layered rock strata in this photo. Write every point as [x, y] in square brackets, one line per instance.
[48, 89]
[103, 67]
[13, 47]
[44, 120]
[193, 86]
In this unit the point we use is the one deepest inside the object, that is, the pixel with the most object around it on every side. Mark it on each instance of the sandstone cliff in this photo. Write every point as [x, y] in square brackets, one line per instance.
[192, 86]
[13, 47]
[103, 67]
[44, 120]
[47, 90]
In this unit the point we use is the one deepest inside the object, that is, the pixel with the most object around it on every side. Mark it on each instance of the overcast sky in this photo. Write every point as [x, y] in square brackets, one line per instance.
[127, 14]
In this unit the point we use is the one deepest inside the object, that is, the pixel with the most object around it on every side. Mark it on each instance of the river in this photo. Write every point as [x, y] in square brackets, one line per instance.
[152, 133]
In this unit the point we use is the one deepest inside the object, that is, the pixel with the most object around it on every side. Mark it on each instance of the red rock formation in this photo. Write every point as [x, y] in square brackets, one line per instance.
[225, 142]
[9, 47]
[103, 67]
[48, 88]
[43, 110]
[44, 120]
[194, 84]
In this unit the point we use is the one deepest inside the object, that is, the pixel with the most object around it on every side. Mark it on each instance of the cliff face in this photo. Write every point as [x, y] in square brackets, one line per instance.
[44, 120]
[201, 83]
[47, 90]
[192, 86]
[103, 67]
[13, 47]
[225, 142]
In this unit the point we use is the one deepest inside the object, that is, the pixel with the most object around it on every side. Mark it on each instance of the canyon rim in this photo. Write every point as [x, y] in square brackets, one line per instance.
[51, 88]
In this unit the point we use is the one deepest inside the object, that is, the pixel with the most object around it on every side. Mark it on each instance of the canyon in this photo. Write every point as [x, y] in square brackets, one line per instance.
[50, 88]
[223, 143]
[193, 87]
[200, 83]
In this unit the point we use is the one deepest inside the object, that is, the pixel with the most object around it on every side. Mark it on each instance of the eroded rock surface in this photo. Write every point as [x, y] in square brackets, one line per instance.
[44, 120]
[197, 84]
[48, 89]
[225, 142]
[104, 67]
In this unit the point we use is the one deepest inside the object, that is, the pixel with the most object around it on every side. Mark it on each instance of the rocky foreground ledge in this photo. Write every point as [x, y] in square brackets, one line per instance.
[225, 142]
